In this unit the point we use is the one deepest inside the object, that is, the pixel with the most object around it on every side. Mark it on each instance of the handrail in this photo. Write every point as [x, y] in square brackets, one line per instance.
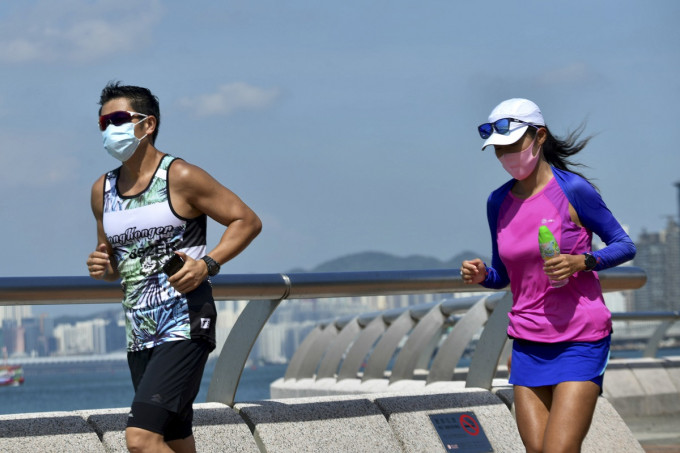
[274, 288]
[82, 289]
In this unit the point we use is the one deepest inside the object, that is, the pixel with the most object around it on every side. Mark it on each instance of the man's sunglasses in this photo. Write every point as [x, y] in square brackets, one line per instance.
[117, 118]
[502, 126]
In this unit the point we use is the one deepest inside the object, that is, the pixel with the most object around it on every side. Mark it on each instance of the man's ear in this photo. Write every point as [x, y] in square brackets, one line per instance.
[150, 125]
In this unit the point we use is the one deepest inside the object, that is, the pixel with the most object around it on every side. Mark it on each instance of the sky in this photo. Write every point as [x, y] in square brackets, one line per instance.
[346, 126]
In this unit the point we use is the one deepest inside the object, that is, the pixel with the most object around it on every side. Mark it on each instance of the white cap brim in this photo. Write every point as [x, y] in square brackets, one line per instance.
[505, 139]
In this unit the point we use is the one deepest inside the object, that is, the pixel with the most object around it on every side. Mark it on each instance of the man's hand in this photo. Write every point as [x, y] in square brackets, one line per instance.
[99, 264]
[192, 274]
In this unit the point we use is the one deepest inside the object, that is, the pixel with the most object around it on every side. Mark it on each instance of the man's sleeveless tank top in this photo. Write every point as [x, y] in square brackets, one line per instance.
[144, 231]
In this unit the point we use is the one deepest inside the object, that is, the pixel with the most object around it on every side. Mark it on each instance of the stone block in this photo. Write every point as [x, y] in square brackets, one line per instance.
[661, 394]
[347, 423]
[109, 424]
[672, 365]
[406, 385]
[55, 432]
[375, 386]
[408, 416]
[217, 428]
[609, 433]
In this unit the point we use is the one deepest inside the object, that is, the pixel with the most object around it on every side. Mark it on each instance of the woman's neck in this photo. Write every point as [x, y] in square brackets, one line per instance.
[535, 182]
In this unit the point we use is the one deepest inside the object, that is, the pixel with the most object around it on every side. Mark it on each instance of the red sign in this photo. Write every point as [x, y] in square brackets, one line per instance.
[469, 425]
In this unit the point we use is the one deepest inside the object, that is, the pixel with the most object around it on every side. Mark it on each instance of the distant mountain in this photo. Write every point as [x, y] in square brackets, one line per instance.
[379, 261]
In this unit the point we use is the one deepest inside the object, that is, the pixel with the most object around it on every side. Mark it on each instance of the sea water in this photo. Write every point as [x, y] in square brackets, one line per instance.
[68, 387]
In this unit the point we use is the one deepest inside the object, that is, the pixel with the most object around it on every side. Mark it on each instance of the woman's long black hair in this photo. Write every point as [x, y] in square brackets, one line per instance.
[558, 151]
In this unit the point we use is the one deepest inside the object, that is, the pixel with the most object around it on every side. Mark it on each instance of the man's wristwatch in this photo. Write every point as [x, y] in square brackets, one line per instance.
[213, 266]
[591, 261]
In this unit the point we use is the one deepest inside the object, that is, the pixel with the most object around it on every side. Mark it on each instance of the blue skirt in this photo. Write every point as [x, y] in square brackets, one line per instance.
[538, 364]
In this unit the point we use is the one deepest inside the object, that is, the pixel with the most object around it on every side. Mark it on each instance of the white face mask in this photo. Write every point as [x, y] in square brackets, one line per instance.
[520, 164]
[120, 141]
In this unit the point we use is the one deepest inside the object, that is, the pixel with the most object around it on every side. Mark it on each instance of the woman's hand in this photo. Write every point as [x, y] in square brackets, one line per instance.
[564, 266]
[473, 271]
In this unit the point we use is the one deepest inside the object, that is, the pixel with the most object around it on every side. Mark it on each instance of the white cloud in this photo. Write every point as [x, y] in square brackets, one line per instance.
[230, 98]
[574, 73]
[76, 30]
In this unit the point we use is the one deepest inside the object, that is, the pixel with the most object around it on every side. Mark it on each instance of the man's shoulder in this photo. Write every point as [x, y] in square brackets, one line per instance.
[183, 173]
[181, 168]
[99, 182]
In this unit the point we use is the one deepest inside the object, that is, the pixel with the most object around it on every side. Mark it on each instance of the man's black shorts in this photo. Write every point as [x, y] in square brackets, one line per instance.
[166, 379]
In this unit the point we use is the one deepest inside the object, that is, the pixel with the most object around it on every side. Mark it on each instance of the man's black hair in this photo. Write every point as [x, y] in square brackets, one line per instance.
[141, 101]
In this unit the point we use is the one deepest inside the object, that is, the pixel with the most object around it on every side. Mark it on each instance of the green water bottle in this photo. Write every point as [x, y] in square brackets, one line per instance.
[547, 244]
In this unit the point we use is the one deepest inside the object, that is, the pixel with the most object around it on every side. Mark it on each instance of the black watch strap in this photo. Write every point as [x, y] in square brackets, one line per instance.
[213, 266]
[591, 261]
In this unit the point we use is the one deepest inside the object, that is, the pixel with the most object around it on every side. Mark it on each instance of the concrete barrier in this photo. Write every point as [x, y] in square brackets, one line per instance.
[217, 428]
[632, 387]
[408, 416]
[377, 422]
[308, 387]
[385, 417]
[319, 424]
[644, 386]
[47, 432]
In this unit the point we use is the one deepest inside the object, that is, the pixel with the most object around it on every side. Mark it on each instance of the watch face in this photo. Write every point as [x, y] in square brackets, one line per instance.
[213, 267]
[591, 262]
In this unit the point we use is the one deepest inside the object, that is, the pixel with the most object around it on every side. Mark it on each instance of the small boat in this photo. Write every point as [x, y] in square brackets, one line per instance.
[12, 375]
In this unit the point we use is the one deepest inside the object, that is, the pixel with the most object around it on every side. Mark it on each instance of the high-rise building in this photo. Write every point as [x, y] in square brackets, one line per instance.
[659, 255]
[15, 312]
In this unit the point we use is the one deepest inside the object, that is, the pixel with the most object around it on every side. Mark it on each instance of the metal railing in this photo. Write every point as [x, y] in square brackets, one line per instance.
[271, 289]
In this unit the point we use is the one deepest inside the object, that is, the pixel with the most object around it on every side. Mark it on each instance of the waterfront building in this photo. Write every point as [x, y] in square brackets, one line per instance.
[659, 255]
[15, 312]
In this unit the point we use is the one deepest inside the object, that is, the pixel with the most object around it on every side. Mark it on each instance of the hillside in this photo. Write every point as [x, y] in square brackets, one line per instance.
[379, 261]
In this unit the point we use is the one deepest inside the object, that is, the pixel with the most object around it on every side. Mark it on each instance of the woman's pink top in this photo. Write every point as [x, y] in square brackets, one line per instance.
[540, 312]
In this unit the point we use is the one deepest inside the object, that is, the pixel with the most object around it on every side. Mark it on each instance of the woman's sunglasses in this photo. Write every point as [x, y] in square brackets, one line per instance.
[117, 118]
[502, 126]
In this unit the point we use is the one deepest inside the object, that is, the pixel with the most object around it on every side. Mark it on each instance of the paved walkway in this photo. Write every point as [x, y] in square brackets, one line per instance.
[656, 434]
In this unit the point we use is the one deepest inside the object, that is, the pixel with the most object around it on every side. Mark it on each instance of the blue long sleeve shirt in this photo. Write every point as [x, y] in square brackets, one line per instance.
[591, 210]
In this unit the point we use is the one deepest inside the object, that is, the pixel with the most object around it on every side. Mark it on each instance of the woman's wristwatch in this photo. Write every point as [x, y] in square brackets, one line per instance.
[591, 261]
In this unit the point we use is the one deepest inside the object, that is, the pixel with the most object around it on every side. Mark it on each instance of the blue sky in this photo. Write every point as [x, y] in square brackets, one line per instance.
[347, 126]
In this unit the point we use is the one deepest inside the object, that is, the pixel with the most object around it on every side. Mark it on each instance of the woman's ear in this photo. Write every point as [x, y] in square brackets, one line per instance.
[541, 135]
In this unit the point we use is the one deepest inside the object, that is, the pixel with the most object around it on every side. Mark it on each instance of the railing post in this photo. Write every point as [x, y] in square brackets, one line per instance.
[427, 327]
[452, 349]
[388, 343]
[293, 369]
[490, 346]
[237, 347]
[359, 349]
[331, 361]
[652, 346]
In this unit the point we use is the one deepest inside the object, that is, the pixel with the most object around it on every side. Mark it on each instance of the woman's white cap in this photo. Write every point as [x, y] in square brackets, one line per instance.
[520, 109]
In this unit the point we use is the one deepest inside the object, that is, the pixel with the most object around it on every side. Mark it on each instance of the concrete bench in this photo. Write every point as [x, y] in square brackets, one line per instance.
[217, 428]
[644, 386]
[358, 423]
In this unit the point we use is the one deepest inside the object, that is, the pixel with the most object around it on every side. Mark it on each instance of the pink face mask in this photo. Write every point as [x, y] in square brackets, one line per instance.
[520, 164]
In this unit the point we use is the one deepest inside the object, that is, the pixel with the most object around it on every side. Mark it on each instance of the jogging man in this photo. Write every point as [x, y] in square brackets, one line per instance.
[151, 208]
